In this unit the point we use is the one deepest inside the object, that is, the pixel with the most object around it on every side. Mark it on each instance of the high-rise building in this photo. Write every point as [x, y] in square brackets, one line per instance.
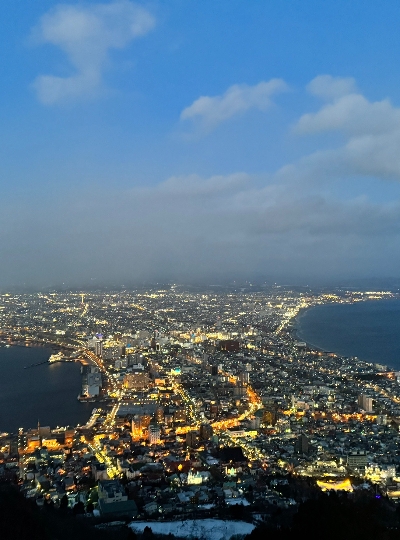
[244, 377]
[365, 403]
[154, 434]
[98, 348]
[302, 445]
[22, 440]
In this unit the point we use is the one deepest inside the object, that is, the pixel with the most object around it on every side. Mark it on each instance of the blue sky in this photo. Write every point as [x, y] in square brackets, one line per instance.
[189, 140]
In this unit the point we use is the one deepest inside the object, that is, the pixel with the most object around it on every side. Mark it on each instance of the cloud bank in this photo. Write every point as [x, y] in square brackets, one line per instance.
[285, 225]
[197, 229]
[86, 34]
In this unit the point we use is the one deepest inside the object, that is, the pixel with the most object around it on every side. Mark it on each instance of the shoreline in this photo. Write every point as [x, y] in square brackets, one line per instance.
[296, 332]
[46, 349]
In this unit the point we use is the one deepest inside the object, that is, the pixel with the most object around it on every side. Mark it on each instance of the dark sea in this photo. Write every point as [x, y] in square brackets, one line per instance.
[369, 330]
[47, 393]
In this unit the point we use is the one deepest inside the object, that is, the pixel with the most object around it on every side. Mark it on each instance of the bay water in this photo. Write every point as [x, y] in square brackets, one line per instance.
[369, 330]
[46, 393]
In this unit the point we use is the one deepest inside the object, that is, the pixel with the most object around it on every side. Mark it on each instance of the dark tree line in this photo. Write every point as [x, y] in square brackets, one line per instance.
[335, 516]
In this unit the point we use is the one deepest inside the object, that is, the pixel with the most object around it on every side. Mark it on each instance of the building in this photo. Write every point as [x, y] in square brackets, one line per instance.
[99, 471]
[92, 390]
[159, 415]
[206, 432]
[98, 348]
[269, 415]
[239, 390]
[111, 352]
[113, 501]
[194, 478]
[229, 345]
[154, 434]
[140, 423]
[357, 460]
[244, 377]
[302, 445]
[111, 491]
[192, 438]
[365, 403]
[137, 381]
[180, 415]
[91, 381]
[94, 377]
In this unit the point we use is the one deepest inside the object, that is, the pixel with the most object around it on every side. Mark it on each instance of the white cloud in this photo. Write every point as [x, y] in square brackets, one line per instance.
[328, 87]
[372, 137]
[86, 33]
[239, 98]
[354, 115]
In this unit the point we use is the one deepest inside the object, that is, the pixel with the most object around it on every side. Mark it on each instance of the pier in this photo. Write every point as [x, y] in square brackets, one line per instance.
[47, 362]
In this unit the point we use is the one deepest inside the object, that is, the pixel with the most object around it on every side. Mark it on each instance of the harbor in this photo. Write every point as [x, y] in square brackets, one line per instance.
[54, 359]
[47, 393]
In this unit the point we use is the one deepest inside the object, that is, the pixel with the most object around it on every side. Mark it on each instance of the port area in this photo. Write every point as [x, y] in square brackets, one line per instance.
[58, 360]
[60, 357]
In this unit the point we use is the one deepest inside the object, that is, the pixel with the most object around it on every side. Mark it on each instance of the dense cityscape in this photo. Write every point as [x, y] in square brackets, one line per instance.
[199, 270]
[208, 409]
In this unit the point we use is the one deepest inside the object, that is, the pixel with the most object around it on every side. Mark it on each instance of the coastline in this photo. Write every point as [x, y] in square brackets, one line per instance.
[47, 395]
[295, 329]
[299, 334]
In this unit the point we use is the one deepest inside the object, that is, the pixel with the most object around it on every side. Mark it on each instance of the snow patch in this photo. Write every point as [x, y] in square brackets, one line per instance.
[204, 529]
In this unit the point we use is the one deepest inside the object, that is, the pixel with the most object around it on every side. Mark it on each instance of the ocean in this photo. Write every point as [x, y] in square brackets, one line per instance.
[47, 393]
[369, 330]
